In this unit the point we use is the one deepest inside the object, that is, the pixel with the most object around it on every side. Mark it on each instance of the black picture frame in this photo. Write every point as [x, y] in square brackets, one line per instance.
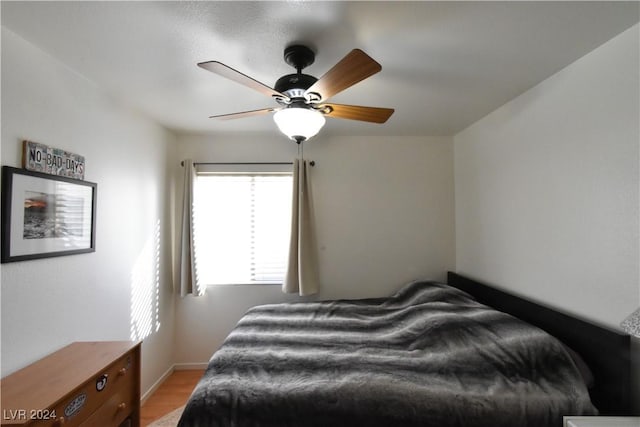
[46, 215]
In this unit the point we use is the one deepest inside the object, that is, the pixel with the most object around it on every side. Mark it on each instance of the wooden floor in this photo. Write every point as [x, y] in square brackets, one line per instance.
[172, 394]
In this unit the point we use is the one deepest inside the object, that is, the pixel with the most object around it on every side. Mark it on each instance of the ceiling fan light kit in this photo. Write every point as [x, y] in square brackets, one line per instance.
[299, 123]
[302, 97]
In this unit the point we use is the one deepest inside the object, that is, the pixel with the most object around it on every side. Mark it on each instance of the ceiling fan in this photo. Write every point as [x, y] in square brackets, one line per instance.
[302, 98]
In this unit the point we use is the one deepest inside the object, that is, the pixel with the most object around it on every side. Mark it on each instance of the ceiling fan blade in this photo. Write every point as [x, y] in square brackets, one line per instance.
[357, 112]
[228, 72]
[351, 69]
[244, 114]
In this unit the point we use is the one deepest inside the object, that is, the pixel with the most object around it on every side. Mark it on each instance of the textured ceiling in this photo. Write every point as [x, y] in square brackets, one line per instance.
[444, 64]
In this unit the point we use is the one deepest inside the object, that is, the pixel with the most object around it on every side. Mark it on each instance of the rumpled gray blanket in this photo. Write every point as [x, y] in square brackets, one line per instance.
[430, 355]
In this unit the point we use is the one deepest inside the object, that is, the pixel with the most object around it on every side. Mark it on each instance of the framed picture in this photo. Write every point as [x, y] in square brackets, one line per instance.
[46, 215]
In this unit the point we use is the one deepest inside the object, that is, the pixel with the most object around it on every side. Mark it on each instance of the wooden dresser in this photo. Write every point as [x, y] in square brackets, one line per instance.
[82, 384]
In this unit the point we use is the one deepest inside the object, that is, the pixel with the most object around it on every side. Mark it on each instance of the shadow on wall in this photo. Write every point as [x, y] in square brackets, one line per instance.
[145, 289]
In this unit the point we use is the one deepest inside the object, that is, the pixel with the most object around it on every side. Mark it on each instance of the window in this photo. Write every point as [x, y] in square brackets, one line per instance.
[242, 224]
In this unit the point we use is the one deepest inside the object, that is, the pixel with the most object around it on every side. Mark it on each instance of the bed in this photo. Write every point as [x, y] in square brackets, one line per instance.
[460, 354]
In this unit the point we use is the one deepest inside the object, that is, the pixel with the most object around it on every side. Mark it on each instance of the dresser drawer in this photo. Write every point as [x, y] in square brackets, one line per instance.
[115, 380]
[113, 412]
[83, 384]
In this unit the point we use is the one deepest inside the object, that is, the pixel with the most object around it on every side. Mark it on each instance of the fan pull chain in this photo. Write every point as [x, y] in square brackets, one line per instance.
[301, 154]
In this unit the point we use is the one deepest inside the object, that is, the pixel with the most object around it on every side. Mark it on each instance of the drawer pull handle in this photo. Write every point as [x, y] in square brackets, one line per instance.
[122, 371]
[122, 406]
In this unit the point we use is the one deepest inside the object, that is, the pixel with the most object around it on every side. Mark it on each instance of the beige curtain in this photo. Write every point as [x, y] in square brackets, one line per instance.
[188, 274]
[301, 274]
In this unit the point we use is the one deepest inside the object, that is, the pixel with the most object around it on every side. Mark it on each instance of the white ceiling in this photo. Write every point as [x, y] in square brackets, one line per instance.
[444, 64]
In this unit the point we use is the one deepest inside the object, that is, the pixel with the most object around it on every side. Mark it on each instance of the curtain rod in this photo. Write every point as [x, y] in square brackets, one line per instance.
[312, 163]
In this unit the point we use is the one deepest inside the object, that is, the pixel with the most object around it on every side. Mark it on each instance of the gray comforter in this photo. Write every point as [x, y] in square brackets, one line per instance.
[430, 355]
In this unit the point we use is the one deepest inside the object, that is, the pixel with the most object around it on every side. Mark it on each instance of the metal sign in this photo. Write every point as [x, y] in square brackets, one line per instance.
[54, 161]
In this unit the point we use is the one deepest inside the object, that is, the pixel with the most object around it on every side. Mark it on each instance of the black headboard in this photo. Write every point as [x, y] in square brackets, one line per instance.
[606, 351]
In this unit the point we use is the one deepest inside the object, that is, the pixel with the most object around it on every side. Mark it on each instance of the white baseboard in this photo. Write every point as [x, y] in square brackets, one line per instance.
[157, 384]
[168, 372]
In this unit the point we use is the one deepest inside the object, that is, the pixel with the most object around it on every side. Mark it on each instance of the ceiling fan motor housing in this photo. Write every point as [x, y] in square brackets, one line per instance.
[295, 85]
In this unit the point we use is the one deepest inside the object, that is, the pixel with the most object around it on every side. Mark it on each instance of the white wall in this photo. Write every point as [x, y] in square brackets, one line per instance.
[547, 188]
[49, 303]
[384, 216]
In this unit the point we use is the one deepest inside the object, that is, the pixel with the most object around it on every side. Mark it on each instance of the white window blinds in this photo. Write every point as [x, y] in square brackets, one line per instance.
[242, 226]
